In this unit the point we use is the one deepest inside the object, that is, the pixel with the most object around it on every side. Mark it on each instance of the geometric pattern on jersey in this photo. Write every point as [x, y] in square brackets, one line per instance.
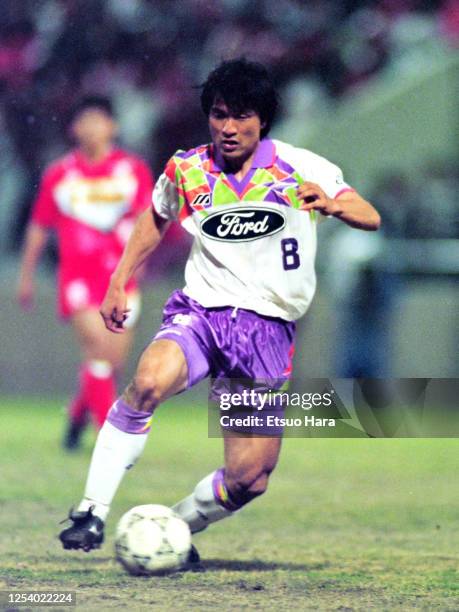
[254, 247]
[197, 174]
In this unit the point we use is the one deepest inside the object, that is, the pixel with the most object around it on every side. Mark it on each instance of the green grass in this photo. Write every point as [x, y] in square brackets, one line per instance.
[352, 524]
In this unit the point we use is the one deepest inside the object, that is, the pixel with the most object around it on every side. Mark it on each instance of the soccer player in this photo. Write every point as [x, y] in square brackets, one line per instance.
[91, 198]
[252, 205]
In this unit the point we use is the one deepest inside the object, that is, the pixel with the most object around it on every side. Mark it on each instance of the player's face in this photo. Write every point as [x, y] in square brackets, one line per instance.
[93, 128]
[235, 134]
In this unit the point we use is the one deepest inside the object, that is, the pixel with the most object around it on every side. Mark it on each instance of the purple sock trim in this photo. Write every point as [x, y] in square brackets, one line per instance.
[221, 493]
[125, 418]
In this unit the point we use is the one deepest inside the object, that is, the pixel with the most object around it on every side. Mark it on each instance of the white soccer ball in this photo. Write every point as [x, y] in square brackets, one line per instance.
[152, 539]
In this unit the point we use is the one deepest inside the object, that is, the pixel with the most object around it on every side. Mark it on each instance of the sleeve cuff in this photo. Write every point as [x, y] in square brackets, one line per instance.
[345, 190]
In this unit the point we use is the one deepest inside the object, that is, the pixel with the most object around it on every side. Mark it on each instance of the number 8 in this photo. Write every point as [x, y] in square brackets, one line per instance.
[290, 257]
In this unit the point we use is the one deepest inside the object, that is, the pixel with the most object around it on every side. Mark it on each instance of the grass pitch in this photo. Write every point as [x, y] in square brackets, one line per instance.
[352, 524]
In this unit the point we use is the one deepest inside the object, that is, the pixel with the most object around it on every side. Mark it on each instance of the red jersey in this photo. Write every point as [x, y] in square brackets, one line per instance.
[92, 208]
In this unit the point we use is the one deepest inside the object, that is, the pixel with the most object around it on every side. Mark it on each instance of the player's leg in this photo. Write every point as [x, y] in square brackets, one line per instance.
[248, 465]
[104, 355]
[77, 411]
[264, 348]
[103, 358]
[162, 371]
[177, 358]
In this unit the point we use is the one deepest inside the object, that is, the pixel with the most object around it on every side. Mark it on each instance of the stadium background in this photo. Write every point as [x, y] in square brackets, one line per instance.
[353, 524]
[370, 85]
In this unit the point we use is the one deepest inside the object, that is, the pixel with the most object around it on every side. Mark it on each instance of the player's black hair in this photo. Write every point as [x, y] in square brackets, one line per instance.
[92, 101]
[242, 86]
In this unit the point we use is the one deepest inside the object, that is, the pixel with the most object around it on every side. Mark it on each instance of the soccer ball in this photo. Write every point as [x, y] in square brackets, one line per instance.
[152, 539]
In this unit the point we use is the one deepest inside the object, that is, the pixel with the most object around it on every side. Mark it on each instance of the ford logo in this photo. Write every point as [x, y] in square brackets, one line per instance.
[243, 224]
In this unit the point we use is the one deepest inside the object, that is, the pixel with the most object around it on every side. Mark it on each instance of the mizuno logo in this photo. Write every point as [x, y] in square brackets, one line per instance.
[203, 199]
[243, 224]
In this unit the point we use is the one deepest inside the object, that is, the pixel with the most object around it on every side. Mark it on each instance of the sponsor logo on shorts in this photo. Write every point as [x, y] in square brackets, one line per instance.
[181, 319]
[243, 224]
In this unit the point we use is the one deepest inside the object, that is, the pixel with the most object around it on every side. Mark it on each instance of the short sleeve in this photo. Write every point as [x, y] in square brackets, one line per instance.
[44, 210]
[330, 178]
[166, 194]
[314, 168]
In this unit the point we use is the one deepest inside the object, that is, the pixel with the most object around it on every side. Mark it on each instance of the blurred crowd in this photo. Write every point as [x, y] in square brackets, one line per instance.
[149, 56]
[367, 273]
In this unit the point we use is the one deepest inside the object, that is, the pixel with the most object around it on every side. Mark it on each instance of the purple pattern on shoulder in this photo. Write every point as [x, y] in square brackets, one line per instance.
[200, 150]
[277, 197]
[284, 166]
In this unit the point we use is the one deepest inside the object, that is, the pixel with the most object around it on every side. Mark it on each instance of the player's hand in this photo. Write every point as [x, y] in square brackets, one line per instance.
[25, 294]
[114, 310]
[315, 198]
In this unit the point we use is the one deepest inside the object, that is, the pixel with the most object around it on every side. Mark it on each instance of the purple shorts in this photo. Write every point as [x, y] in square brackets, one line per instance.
[229, 344]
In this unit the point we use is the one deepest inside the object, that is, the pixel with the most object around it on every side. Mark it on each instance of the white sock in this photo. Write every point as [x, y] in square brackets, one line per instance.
[115, 452]
[200, 509]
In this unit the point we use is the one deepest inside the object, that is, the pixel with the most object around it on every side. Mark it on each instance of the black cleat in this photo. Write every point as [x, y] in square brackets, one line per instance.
[72, 437]
[193, 562]
[193, 555]
[87, 531]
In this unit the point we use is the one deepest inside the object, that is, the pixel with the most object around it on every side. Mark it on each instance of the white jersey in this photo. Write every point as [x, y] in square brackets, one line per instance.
[254, 248]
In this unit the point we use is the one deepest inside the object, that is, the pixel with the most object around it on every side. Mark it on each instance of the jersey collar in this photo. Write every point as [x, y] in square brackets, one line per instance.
[83, 160]
[264, 156]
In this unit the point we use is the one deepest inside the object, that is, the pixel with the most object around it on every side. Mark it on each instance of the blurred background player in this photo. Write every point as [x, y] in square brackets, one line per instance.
[90, 198]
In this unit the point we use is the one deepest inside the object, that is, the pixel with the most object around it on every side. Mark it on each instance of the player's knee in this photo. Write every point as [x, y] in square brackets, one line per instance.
[258, 486]
[117, 362]
[146, 392]
[118, 367]
[246, 485]
[93, 345]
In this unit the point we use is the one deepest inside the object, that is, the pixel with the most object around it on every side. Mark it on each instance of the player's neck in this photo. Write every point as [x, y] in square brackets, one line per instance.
[239, 167]
[97, 153]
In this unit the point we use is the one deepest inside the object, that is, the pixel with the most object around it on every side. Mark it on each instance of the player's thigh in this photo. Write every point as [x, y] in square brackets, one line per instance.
[96, 341]
[247, 458]
[162, 367]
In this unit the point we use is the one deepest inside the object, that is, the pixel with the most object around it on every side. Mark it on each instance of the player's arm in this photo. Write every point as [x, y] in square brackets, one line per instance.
[35, 241]
[42, 220]
[142, 201]
[146, 235]
[348, 206]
